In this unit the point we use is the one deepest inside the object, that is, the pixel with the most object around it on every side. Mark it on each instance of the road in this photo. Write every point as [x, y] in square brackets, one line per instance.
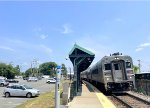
[12, 102]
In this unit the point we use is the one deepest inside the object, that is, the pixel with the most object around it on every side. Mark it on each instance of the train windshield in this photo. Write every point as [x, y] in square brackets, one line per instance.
[116, 66]
[108, 66]
[128, 65]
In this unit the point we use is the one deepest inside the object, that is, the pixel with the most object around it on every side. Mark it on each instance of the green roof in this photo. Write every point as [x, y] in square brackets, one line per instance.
[80, 48]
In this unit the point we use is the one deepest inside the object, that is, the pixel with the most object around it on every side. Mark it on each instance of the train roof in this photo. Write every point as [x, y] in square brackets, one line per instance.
[115, 55]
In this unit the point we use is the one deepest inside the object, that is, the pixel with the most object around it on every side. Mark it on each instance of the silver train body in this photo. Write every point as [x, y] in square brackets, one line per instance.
[112, 73]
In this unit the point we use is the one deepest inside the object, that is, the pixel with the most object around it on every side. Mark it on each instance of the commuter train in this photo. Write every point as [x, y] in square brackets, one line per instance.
[112, 73]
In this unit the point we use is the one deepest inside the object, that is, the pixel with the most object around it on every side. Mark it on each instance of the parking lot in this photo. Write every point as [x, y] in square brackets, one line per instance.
[12, 102]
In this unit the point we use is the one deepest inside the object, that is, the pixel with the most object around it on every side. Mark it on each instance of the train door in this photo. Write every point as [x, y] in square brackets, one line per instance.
[118, 70]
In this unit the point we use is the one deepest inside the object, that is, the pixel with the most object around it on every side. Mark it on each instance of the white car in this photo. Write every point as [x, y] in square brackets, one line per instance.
[32, 79]
[51, 80]
[3, 82]
[20, 90]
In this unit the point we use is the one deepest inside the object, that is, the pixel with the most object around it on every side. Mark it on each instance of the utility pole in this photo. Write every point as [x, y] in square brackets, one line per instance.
[34, 65]
[139, 65]
[31, 67]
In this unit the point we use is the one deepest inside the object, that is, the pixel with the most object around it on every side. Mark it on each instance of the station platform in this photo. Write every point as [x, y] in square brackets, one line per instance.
[90, 97]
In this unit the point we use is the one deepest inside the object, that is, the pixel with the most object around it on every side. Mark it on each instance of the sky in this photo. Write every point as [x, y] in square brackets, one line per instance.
[46, 31]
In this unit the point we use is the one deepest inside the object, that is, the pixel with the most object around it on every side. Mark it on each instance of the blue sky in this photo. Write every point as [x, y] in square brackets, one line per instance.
[46, 31]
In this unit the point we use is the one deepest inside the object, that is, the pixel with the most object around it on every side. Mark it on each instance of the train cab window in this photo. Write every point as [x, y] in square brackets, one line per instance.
[148, 76]
[128, 65]
[116, 66]
[107, 66]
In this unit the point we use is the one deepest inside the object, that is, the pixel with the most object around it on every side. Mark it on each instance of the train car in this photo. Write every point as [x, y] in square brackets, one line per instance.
[84, 74]
[113, 73]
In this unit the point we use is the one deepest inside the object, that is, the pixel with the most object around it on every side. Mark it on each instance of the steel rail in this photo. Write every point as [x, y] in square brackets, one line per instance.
[147, 102]
[126, 104]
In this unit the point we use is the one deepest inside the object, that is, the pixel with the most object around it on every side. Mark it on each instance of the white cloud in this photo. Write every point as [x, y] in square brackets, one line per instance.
[139, 49]
[142, 46]
[19, 43]
[43, 36]
[118, 19]
[6, 48]
[29, 46]
[145, 44]
[16, 41]
[39, 33]
[66, 29]
[46, 49]
[37, 29]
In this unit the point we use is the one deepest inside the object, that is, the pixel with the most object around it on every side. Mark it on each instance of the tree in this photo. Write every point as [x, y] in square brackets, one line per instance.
[135, 69]
[17, 70]
[48, 68]
[64, 70]
[7, 71]
[31, 72]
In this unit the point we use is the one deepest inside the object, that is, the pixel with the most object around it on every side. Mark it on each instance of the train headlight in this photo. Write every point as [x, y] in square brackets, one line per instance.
[116, 58]
[107, 78]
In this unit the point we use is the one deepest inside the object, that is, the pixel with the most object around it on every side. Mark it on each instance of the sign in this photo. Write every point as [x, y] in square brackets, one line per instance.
[58, 67]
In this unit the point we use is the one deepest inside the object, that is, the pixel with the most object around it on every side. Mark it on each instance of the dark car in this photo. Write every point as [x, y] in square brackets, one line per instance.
[25, 78]
[12, 81]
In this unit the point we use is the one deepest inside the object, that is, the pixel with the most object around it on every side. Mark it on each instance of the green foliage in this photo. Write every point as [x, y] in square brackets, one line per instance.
[9, 71]
[64, 70]
[31, 72]
[28, 72]
[135, 69]
[48, 68]
[17, 70]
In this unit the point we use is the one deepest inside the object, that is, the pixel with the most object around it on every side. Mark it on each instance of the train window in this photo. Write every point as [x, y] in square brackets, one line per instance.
[128, 65]
[148, 76]
[107, 66]
[116, 66]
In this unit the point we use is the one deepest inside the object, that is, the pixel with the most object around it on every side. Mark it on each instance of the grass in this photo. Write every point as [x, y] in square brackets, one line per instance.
[46, 100]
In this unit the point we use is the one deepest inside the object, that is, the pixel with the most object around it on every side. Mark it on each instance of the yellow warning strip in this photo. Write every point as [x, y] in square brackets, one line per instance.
[105, 101]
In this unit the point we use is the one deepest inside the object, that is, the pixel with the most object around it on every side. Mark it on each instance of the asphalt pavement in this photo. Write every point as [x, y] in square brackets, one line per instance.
[12, 102]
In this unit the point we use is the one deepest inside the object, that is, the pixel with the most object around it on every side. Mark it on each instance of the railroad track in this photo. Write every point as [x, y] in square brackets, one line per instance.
[129, 101]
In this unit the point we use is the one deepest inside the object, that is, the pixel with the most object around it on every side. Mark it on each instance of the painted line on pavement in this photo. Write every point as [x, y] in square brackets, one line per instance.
[106, 103]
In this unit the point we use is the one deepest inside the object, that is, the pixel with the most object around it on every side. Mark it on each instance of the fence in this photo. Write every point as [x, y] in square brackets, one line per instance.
[143, 86]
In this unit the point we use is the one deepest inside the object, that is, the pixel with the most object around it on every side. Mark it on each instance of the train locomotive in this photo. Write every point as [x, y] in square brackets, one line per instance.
[112, 73]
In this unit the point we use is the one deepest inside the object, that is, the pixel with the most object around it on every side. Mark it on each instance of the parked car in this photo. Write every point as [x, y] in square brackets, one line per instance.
[25, 78]
[12, 81]
[4, 78]
[20, 90]
[55, 78]
[51, 80]
[39, 77]
[32, 79]
[3, 82]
